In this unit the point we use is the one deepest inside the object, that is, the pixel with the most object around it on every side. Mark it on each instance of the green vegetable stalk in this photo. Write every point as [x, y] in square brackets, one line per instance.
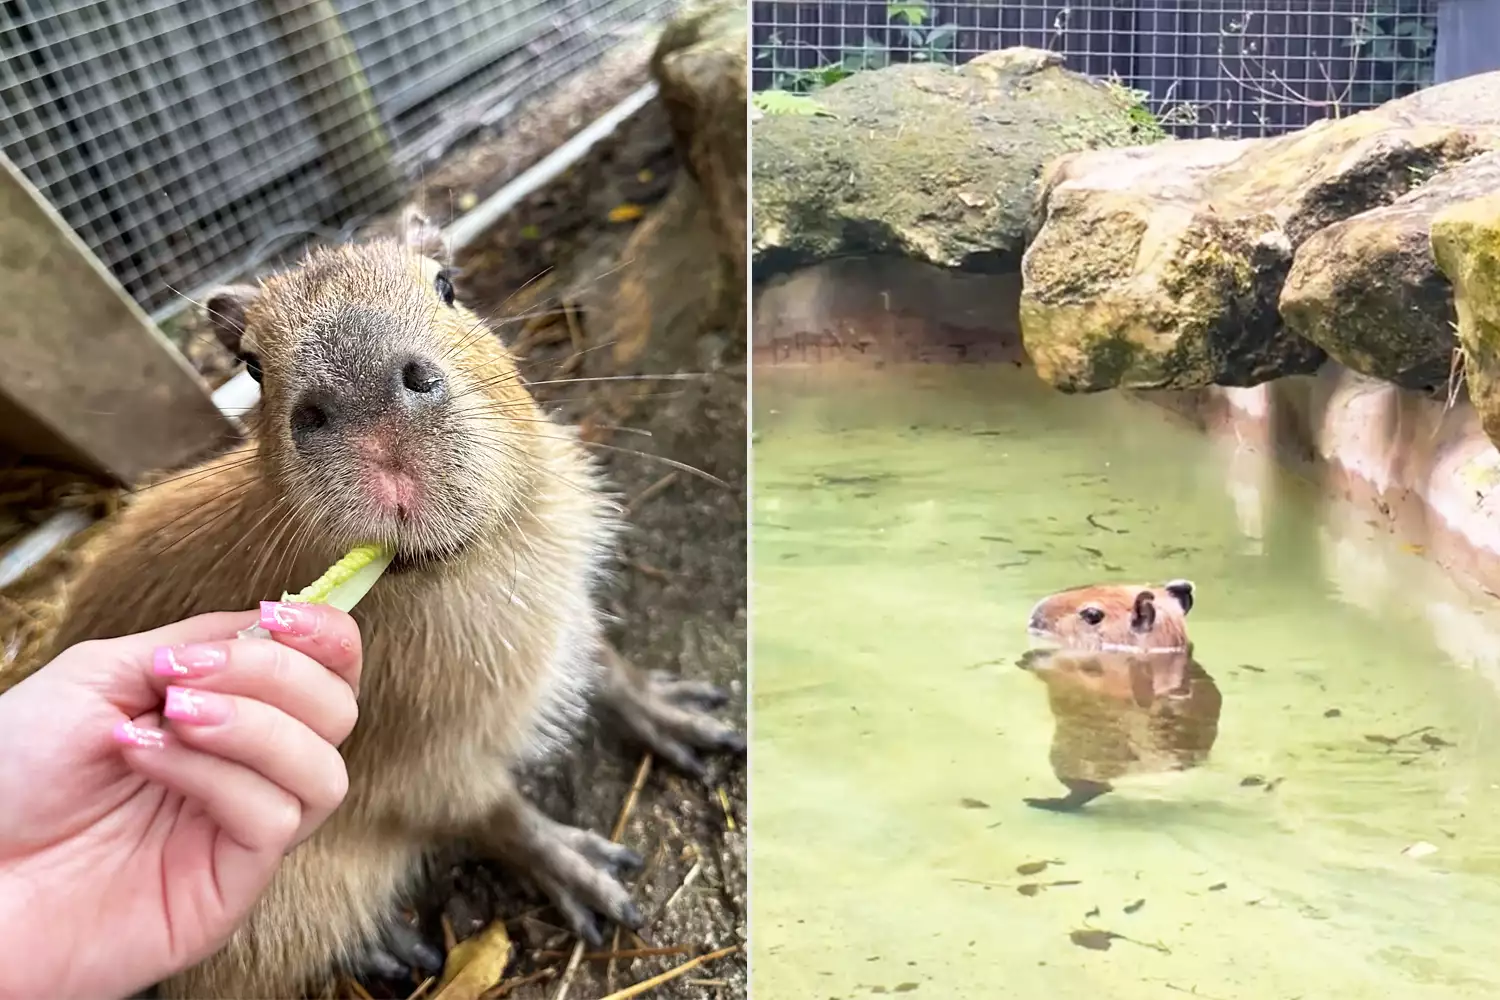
[344, 584]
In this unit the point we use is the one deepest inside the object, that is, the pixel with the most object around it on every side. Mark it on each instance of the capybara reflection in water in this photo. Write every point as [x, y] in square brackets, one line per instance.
[1127, 696]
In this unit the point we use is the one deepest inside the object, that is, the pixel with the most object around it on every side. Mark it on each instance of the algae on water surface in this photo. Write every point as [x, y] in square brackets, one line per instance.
[905, 521]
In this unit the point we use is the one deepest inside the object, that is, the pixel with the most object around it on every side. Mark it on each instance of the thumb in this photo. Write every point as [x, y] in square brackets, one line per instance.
[119, 669]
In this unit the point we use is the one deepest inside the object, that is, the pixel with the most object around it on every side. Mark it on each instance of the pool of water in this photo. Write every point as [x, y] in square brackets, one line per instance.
[1341, 840]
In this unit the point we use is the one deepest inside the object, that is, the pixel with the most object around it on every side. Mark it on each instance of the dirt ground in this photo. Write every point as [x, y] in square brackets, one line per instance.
[680, 592]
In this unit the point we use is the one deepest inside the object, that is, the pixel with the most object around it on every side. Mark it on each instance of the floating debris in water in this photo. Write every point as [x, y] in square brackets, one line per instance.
[1435, 741]
[1390, 741]
[1252, 781]
[1420, 849]
[1093, 940]
[1252, 668]
[1134, 907]
[1035, 888]
[1034, 867]
[973, 803]
[1094, 522]
[1091, 914]
[1218, 887]
[1332, 713]
[1096, 939]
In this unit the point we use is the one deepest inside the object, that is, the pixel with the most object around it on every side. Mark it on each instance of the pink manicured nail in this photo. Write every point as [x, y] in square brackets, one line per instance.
[202, 708]
[141, 737]
[188, 661]
[294, 619]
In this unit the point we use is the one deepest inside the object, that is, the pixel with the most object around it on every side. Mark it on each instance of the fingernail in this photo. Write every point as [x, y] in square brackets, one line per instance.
[141, 737]
[188, 661]
[293, 619]
[201, 708]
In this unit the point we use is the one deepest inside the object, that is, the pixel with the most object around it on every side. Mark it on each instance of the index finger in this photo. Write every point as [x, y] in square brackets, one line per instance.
[322, 632]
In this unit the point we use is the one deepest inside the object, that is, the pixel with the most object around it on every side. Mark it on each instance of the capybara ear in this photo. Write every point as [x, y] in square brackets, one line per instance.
[1182, 591]
[226, 308]
[1143, 615]
[419, 234]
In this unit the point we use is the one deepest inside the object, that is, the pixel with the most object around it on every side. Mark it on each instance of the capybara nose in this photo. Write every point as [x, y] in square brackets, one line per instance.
[1036, 620]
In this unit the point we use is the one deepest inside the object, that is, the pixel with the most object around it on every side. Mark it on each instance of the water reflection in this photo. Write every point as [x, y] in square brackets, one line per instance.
[1116, 714]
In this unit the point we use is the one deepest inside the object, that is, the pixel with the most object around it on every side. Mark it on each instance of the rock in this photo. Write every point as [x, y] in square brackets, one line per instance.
[700, 68]
[678, 298]
[1466, 244]
[925, 161]
[1368, 291]
[1163, 266]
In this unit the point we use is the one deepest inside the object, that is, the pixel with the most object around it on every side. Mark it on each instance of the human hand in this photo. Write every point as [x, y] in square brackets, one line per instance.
[131, 847]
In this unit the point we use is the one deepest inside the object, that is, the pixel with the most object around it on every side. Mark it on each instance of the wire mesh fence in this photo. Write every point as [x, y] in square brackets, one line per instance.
[184, 139]
[1228, 68]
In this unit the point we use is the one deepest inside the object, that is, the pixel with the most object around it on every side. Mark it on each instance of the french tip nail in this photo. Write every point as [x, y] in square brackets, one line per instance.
[129, 734]
[163, 664]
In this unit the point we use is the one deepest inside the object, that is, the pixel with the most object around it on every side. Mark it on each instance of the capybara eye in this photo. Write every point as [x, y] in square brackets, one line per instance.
[444, 285]
[252, 365]
[1091, 615]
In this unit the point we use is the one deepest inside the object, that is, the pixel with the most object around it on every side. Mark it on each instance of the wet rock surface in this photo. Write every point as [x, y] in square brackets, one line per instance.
[925, 161]
[1466, 244]
[1369, 291]
[1164, 266]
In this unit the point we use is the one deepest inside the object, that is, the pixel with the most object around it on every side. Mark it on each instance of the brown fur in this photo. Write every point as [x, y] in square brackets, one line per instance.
[478, 655]
[1133, 616]
[1127, 713]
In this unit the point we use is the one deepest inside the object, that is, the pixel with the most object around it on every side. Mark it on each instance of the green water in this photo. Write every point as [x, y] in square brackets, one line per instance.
[905, 522]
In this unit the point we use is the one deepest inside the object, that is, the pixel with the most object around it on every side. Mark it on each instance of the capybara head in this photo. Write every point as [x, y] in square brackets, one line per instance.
[1115, 617]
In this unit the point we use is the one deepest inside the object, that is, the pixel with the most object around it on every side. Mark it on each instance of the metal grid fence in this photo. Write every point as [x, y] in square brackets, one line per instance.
[1228, 68]
[182, 139]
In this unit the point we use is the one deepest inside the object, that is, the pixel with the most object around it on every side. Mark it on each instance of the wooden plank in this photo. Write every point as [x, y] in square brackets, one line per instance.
[85, 378]
[336, 98]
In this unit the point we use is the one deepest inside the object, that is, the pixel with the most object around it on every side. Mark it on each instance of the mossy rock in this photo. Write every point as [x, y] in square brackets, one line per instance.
[1466, 245]
[1369, 292]
[1165, 266]
[925, 161]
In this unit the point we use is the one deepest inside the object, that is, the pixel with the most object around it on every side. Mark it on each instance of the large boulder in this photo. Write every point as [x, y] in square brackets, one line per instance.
[678, 297]
[1163, 266]
[1466, 244]
[701, 74]
[1369, 292]
[925, 161]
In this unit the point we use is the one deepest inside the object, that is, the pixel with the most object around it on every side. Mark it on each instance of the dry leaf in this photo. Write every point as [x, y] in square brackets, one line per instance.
[625, 212]
[475, 965]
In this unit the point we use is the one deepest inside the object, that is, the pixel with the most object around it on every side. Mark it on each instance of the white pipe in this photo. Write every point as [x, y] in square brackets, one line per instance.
[462, 231]
[34, 546]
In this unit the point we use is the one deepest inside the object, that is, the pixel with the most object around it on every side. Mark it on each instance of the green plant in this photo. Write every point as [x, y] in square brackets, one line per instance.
[1143, 121]
[923, 44]
[906, 19]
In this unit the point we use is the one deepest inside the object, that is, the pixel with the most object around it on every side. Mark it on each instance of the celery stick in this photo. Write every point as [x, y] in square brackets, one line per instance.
[342, 586]
[348, 580]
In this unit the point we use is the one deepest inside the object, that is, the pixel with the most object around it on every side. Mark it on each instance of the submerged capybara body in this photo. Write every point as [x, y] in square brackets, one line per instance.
[1126, 695]
[390, 413]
